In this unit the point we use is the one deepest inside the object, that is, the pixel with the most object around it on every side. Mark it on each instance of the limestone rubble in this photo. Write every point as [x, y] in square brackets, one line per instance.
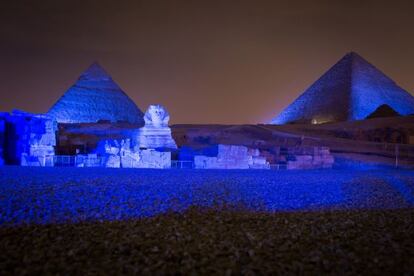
[120, 154]
[30, 139]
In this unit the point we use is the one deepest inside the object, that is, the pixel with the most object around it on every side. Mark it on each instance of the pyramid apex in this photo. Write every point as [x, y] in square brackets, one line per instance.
[352, 55]
[96, 65]
[95, 62]
[95, 72]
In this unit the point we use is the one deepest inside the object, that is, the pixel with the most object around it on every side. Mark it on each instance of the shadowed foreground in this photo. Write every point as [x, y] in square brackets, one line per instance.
[224, 242]
[78, 221]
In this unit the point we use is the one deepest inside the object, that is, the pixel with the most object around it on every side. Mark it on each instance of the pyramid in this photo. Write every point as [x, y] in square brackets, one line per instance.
[95, 97]
[351, 90]
[383, 111]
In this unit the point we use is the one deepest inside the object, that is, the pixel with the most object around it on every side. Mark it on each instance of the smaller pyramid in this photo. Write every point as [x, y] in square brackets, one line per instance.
[351, 90]
[95, 97]
[383, 111]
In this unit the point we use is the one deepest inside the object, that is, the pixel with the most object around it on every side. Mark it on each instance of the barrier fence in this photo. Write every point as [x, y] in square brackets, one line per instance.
[96, 161]
[398, 152]
[175, 164]
[77, 161]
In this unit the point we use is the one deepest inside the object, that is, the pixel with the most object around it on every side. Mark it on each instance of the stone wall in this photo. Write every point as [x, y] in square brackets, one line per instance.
[309, 158]
[232, 157]
[30, 139]
[83, 138]
[241, 157]
[120, 154]
[257, 160]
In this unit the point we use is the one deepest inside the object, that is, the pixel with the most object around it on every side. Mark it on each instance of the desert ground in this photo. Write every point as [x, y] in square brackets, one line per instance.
[367, 143]
[103, 221]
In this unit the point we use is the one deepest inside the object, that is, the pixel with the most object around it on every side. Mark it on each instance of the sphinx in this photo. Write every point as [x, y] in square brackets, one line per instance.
[155, 134]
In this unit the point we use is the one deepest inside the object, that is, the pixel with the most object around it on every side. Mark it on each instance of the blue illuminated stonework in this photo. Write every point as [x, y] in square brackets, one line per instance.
[95, 97]
[351, 90]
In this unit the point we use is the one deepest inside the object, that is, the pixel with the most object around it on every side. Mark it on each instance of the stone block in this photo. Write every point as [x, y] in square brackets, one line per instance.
[258, 162]
[120, 154]
[30, 139]
[154, 159]
[232, 157]
[112, 161]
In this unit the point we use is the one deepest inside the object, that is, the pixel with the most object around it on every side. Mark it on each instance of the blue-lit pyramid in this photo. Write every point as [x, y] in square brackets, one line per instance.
[95, 97]
[351, 90]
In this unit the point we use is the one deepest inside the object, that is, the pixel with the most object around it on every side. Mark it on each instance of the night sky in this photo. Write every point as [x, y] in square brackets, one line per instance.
[206, 61]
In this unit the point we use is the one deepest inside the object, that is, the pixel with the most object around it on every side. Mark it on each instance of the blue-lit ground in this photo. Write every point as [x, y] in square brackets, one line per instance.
[119, 222]
[59, 195]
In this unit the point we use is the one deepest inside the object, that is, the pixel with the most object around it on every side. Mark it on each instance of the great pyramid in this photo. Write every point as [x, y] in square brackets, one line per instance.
[351, 90]
[94, 97]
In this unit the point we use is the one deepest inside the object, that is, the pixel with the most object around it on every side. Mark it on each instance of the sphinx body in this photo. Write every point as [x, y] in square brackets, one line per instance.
[156, 133]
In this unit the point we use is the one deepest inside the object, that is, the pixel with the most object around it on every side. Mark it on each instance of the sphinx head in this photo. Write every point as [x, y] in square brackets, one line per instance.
[156, 116]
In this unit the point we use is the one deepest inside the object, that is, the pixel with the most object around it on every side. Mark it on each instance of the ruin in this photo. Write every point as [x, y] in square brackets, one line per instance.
[242, 157]
[308, 158]
[225, 157]
[122, 154]
[120, 145]
[351, 90]
[95, 124]
[100, 126]
[29, 139]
